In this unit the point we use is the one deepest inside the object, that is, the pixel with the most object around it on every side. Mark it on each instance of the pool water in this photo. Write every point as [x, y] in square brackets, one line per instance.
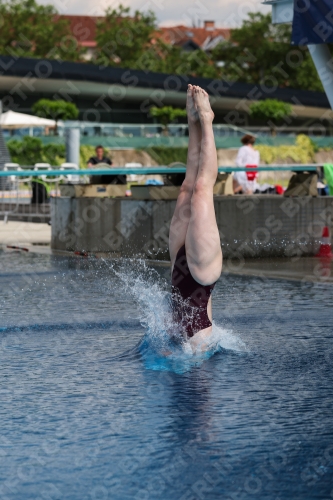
[90, 409]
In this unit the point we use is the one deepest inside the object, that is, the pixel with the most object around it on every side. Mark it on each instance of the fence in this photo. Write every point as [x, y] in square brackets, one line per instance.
[135, 136]
[24, 189]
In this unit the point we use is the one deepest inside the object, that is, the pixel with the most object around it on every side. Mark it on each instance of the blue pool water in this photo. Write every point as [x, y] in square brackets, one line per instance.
[91, 410]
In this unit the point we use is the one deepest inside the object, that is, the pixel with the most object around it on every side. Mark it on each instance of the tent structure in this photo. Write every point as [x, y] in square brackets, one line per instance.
[13, 120]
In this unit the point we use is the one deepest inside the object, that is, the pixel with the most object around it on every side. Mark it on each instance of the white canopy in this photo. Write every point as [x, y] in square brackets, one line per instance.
[12, 120]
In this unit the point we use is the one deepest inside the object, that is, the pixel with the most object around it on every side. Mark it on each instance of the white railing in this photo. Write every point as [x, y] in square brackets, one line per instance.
[26, 190]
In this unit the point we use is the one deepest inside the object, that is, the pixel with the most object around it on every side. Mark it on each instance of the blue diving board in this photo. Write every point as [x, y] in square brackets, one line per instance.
[149, 170]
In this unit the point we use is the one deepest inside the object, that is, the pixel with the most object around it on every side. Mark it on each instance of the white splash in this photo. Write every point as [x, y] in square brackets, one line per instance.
[163, 347]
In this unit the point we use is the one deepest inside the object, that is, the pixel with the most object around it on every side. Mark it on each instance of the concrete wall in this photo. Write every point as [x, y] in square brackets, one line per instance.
[250, 226]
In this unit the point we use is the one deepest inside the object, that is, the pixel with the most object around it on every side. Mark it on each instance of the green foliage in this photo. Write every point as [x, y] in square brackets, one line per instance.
[196, 63]
[260, 52]
[270, 109]
[315, 146]
[130, 42]
[164, 155]
[302, 152]
[31, 150]
[28, 29]
[164, 58]
[122, 39]
[86, 152]
[167, 115]
[55, 110]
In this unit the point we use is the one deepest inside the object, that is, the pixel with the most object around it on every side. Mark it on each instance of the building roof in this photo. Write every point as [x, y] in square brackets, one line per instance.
[175, 35]
[83, 28]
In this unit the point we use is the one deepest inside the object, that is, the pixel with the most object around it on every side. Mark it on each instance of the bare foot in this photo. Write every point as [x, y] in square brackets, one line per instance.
[166, 353]
[200, 341]
[202, 103]
[192, 113]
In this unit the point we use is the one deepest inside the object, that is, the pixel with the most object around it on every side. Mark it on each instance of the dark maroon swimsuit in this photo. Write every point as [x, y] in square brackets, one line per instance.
[189, 298]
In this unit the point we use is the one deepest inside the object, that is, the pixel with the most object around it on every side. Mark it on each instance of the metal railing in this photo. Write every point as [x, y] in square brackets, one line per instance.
[88, 129]
[26, 190]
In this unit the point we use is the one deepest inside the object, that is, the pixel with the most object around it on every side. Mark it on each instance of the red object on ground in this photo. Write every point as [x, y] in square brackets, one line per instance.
[251, 175]
[279, 189]
[13, 247]
[325, 249]
[82, 253]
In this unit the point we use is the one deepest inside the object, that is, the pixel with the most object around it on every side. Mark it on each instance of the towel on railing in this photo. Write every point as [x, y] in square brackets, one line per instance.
[328, 172]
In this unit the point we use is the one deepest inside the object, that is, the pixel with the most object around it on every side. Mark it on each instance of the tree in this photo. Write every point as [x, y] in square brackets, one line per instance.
[194, 63]
[32, 30]
[31, 150]
[167, 58]
[260, 52]
[166, 115]
[122, 39]
[271, 110]
[131, 42]
[55, 110]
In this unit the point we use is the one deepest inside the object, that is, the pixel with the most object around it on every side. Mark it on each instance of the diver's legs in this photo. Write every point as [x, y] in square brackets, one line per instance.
[182, 214]
[203, 248]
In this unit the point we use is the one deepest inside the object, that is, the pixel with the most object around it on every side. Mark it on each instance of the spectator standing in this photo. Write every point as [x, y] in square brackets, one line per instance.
[245, 182]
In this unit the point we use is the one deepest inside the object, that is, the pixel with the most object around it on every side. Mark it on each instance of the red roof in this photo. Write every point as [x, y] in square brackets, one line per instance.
[176, 35]
[83, 28]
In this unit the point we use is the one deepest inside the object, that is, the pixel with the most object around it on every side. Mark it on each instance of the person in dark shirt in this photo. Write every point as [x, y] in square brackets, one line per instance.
[99, 158]
[104, 179]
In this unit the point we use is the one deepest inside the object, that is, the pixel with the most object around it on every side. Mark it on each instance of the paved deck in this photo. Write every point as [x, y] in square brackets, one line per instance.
[24, 233]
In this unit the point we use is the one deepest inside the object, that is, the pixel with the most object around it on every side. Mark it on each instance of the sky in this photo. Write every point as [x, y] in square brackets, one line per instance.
[228, 13]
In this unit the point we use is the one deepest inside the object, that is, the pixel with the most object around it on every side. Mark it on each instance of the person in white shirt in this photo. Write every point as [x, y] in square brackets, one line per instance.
[245, 182]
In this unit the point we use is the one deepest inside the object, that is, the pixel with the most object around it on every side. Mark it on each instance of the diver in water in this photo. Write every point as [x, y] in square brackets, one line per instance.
[194, 241]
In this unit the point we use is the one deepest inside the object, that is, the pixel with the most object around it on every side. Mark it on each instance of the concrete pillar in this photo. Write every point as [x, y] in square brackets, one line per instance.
[322, 59]
[73, 145]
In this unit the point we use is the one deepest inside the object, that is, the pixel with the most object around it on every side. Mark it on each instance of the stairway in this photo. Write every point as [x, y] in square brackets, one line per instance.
[4, 158]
